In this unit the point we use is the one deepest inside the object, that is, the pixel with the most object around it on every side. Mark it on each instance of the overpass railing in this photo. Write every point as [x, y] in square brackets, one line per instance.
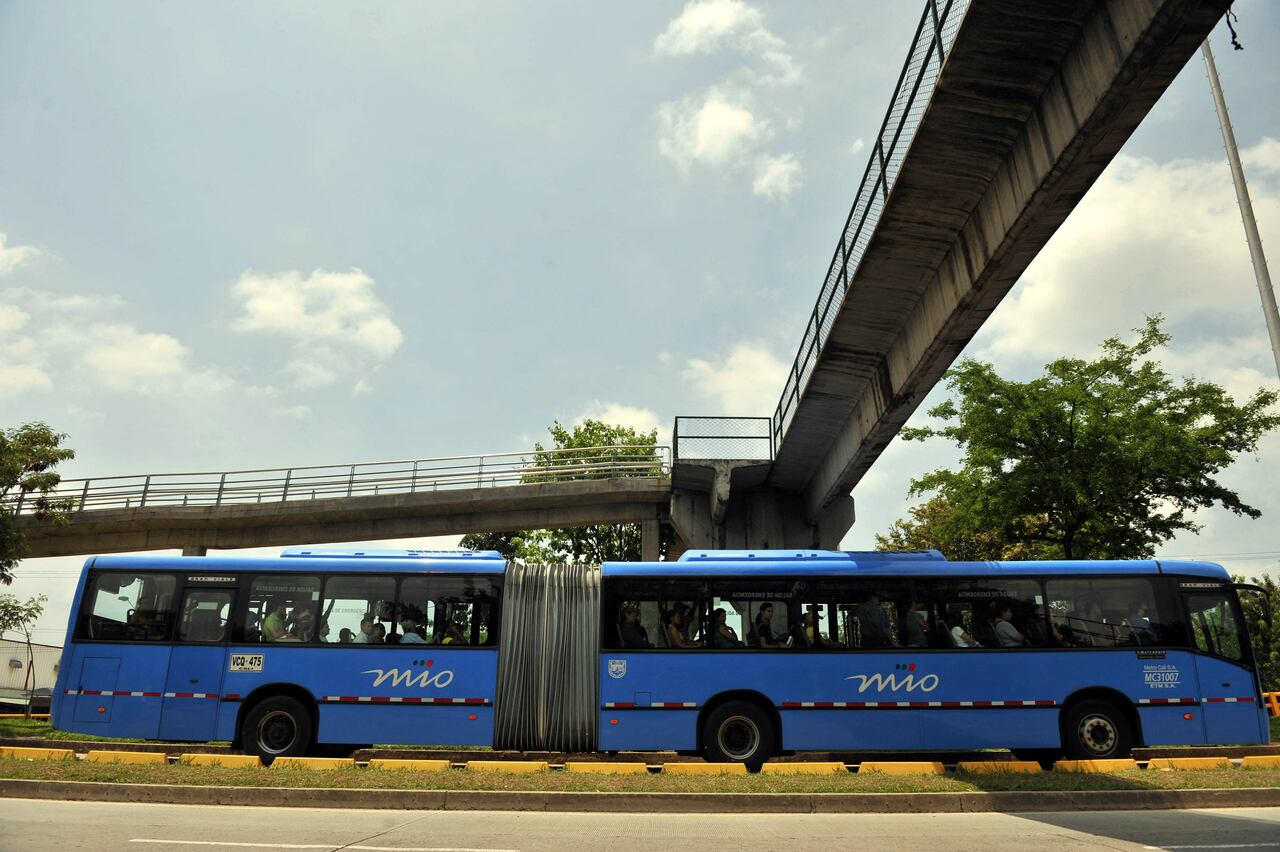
[934, 37]
[279, 485]
[723, 438]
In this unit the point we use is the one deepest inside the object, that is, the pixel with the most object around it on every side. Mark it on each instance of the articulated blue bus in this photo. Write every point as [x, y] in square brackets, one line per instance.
[738, 656]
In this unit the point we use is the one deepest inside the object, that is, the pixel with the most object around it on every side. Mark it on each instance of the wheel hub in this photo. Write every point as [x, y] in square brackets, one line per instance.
[1098, 735]
[276, 732]
[738, 737]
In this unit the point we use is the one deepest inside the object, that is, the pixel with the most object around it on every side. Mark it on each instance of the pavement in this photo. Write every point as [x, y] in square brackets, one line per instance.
[46, 825]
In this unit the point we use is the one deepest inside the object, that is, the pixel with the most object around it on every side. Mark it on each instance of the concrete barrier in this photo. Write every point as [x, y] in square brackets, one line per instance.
[1264, 761]
[149, 757]
[902, 767]
[18, 753]
[1189, 763]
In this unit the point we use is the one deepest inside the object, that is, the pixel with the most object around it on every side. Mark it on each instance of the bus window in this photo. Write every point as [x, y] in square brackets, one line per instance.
[461, 611]
[363, 606]
[859, 614]
[994, 612]
[1106, 612]
[204, 615]
[1214, 625]
[758, 613]
[129, 607]
[670, 613]
[281, 608]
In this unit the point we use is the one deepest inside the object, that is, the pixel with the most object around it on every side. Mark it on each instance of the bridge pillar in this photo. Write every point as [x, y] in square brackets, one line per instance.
[650, 540]
[719, 504]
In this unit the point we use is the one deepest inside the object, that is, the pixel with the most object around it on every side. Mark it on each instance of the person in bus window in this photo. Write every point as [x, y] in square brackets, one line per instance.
[675, 630]
[722, 635]
[345, 636]
[273, 626]
[631, 631]
[301, 624]
[1099, 631]
[453, 635]
[917, 625]
[366, 631]
[873, 624]
[959, 635]
[377, 634]
[1005, 631]
[812, 636]
[324, 630]
[763, 627]
[410, 634]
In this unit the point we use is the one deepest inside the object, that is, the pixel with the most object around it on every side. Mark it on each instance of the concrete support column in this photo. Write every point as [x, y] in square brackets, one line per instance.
[195, 550]
[650, 539]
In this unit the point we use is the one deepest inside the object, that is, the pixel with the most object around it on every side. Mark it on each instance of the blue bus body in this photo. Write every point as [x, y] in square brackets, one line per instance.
[362, 693]
[924, 699]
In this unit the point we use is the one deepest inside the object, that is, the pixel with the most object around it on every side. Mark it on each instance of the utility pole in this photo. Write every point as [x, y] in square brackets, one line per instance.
[1246, 208]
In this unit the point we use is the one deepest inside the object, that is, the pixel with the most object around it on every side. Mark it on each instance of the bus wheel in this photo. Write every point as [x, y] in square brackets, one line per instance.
[279, 726]
[738, 732]
[1095, 730]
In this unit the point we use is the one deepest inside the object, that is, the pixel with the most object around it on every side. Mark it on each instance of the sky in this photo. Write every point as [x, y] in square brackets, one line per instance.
[272, 234]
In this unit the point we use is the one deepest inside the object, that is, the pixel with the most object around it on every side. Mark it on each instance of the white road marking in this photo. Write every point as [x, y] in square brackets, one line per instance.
[329, 846]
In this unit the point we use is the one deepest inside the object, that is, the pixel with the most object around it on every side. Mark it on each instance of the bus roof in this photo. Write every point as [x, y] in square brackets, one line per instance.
[303, 560]
[908, 564]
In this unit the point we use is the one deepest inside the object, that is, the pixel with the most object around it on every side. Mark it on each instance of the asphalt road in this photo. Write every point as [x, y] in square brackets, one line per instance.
[44, 826]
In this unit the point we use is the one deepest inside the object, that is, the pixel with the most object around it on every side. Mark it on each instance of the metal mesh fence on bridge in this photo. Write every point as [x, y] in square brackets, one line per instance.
[278, 485]
[723, 438]
[933, 39]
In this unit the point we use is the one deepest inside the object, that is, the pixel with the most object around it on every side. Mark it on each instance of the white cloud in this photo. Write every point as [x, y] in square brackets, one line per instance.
[777, 177]
[745, 382]
[17, 378]
[12, 318]
[706, 129]
[621, 414]
[11, 257]
[128, 359]
[332, 321]
[858, 144]
[726, 126]
[296, 412]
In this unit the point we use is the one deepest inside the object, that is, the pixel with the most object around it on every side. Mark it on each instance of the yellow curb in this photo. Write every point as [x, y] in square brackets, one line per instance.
[1261, 761]
[1189, 763]
[1114, 765]
[992, 766]
[126, 757]
[902, 767]
[412, 765]
[704, 769]
[230, 761]
[18, 753]
[24, 716]
[508, 765]
[601, 768]
[816, 768]
[312, 763]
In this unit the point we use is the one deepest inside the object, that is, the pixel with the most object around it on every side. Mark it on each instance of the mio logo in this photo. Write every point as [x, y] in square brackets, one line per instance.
[408, 678]
[894, 682]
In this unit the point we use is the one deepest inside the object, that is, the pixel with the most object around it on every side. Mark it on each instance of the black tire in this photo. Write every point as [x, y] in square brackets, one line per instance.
[1096, 730]
[738, 732]
[279, 726]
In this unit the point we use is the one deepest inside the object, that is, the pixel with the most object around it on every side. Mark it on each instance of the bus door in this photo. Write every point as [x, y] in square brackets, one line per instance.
[199, 659]
[1228, 685]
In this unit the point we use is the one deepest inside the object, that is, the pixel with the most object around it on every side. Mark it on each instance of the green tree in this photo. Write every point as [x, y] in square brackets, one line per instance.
[18, 616]
[1266, 638]
[1094, 459]
[28, 456]
[575, 454]
[930, 527]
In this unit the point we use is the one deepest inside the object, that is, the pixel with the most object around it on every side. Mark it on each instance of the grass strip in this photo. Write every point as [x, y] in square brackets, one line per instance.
[368, 779]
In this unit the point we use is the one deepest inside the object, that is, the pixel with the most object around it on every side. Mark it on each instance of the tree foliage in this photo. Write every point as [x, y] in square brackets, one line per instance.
[575, 447]
[28, 456]
[1266, 638]
[930, 527]
[17, 616]
[1092, 460]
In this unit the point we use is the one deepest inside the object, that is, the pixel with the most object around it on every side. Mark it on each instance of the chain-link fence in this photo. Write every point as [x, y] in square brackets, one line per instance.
[723, 438]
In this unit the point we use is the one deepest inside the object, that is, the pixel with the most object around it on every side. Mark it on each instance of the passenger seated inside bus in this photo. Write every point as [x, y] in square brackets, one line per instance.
[675, 630]
[345, 636]
[377, 634]
[630, 631]
[762, 628]
[301, 624]
[917, 625]
[365, 636]
[273, 626]
[453, 635]
[960, 637]
[410, 634]
[813, 637]
[722, 635]
[1006, 634]
[1142, 632]
[1092, 628]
